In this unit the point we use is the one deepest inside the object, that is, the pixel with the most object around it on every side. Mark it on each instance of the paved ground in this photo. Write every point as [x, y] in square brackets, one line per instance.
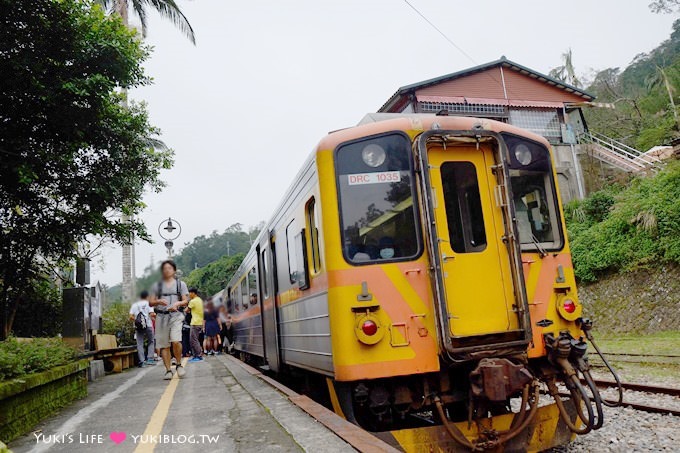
[218, 406]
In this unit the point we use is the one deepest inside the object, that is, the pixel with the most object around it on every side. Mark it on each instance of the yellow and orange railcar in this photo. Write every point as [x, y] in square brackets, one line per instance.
[420, 264]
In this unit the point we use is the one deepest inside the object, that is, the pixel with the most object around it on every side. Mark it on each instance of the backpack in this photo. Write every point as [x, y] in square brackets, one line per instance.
[159, 291]
[140, 322]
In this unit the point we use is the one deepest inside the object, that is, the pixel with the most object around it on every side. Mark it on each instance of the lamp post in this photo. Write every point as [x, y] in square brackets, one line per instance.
[169, 230]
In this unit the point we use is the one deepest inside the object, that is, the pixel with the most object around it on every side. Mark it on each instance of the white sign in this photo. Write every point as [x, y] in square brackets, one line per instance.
[373, 178]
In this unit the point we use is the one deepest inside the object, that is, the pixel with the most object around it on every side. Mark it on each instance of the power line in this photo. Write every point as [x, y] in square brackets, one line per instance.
[492, 77]
[440, 32]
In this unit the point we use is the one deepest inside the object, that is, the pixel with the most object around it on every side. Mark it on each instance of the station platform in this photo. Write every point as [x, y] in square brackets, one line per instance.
[220, 405]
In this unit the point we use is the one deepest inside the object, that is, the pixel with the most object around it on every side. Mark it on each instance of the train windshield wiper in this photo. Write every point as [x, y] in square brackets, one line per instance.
[541, 250]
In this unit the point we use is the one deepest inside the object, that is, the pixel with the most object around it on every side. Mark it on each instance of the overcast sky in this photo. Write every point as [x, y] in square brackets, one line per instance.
[268, 79]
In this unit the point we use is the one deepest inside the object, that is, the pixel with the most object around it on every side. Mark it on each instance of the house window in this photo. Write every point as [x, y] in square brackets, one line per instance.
[544, 122]
[484, 110]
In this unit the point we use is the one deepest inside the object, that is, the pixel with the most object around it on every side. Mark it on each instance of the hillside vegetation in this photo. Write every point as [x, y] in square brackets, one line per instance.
[623, 228]
[644, 96]
[218, 248]
[214, 277]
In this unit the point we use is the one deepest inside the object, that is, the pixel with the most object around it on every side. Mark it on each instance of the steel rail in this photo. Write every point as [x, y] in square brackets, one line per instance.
[638, 406]
[640, 387]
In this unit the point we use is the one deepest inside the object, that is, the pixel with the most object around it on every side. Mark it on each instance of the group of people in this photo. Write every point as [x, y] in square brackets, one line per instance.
[174, 322]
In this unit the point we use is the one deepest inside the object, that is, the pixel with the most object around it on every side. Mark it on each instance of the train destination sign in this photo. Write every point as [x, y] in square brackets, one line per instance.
[373, 178]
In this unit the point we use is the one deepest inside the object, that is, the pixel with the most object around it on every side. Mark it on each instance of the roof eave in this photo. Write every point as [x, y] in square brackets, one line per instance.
[500, 62]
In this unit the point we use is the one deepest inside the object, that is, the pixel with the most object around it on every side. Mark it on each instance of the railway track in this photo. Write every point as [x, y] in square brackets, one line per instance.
[662, 359]
[657, 390]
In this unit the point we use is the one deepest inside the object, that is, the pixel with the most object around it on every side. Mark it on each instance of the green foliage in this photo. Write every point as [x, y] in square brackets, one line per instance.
[215, 276]
[633, 227]
[40, 354]
[71, 152]
[116, 321]
[643, 95]
[197, 254]
[39, 310]
[206, 249]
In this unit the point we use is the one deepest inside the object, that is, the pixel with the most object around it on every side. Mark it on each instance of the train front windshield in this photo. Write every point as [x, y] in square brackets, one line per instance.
[534, 194]
[376, 191]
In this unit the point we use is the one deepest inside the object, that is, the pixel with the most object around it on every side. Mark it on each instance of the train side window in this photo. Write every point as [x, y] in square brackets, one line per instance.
[292, 256]
[312, 226]
[297, 257]
[463, 207]
[236, 298]
[265, 274]
[245, 298]
[252, 287]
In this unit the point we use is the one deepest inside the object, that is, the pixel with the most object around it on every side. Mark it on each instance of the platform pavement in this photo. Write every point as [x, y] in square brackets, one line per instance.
[220, 404]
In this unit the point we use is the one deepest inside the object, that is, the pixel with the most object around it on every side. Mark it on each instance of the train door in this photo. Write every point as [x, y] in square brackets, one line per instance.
[476, 285]
[268, 291]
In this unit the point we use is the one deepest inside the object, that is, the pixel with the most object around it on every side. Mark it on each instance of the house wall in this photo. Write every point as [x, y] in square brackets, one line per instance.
[488, 84]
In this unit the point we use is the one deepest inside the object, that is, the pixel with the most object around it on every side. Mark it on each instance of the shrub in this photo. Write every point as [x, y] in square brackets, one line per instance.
[637, 226]
[116, 321]
[39, 354]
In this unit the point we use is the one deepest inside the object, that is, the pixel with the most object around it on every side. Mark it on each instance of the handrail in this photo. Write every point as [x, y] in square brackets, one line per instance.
[634, 161]
[621, 147]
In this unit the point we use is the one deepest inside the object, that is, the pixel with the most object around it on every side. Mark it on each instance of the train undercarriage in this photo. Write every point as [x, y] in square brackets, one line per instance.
[495, 403]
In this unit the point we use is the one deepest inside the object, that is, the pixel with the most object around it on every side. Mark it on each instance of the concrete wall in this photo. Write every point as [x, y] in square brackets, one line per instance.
[567, 171]
[25, 401]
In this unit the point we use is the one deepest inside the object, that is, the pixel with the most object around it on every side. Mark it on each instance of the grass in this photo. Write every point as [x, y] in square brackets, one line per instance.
[665, 343]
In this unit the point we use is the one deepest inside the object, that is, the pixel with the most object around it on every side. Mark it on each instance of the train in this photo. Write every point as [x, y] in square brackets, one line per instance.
[416, 278]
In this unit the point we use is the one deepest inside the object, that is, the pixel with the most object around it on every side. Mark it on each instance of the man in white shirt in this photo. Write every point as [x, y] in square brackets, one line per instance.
[139, 315]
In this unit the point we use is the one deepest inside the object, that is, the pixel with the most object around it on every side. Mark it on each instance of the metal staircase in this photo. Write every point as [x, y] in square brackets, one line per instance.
[617, 154]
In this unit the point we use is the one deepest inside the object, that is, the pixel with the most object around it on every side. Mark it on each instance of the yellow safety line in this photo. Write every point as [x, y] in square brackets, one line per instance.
[159, 415]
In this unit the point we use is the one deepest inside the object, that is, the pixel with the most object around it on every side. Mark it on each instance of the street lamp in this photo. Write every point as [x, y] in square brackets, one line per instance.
[168, 233]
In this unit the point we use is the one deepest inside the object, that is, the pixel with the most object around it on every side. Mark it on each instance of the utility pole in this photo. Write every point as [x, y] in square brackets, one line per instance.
[129, 248]
[228, 248]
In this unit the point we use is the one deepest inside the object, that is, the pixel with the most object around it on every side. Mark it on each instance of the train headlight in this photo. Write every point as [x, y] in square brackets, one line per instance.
[368, 328]
[523, 154]
[569, 308]
[373, 155]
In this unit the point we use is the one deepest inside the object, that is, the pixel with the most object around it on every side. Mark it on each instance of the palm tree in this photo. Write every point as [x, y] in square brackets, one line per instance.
[659, 78]
[566, 72]
[168, 9]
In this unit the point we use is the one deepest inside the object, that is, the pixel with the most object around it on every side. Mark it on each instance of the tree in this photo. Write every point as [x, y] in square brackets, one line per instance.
[71, 153]
[169, 10]
[660, 78]
[566, 72]
[215, 276]
[665, 6]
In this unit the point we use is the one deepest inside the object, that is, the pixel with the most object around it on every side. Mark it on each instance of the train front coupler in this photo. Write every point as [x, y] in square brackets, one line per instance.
[567, 355]
[586, 325]
[493, 382]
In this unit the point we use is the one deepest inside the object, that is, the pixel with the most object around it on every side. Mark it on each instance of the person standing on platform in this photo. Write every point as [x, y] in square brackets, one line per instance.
[186, 333]
[196, 307]
[139, 314]
[225, 333]
[169, 297]
[213, 326]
